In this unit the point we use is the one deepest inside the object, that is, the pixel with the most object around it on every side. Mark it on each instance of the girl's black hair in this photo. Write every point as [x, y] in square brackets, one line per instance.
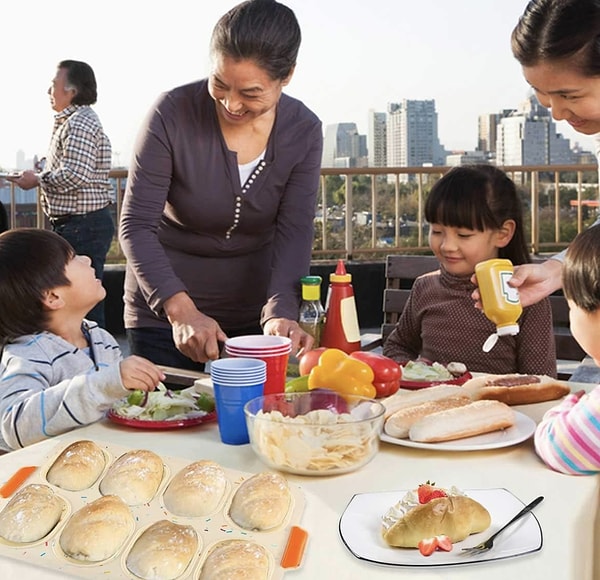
[264, 31]
[555, 30]
[32, 261]
[479, 197]
[581, 270]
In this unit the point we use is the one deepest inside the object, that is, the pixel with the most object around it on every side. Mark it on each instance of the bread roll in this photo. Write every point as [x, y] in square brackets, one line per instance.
[196, 490]
[516, 389]
[98, 530]
[455, 516]
[31, 514]
[163, 551]
[77, 467]
[261, 502]
[474, 419]
[403, 398]
[236, 560]
[398, 424]
[134, 477]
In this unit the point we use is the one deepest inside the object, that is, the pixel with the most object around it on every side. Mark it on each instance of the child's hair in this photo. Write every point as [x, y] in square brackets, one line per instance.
[32, 261]
[559, 30]
[581, 270]
[479, 197]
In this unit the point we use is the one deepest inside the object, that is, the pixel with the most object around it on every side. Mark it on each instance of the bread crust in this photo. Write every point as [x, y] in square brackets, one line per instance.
[77, 467]
[399, 424]
[516, 388]
[236, 560]
[404, 398]
[455, 516]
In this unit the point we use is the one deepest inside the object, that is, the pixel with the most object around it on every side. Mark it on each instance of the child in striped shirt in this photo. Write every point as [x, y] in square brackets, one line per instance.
[58, 371]
[568, 438]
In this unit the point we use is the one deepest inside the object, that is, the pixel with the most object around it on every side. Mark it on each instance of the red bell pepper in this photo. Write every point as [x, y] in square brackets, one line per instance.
[387, 372]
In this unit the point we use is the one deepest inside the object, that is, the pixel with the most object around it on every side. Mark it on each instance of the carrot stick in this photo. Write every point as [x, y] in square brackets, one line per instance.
[292, 555]
[16, 480]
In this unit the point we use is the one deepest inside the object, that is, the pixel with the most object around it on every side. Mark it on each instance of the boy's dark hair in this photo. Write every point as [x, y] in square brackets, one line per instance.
[555, 30]
[264, 31]
[81, 77]
[32, 261]
[581, 270]
[479, 197]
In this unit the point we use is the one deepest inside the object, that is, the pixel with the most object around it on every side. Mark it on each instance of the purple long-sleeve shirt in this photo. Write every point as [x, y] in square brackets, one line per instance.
[180, 205]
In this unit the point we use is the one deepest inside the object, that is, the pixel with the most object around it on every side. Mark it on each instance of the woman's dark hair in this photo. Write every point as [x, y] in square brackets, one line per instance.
[554, 30]
[81, 77]
[479, 197]
[581, 270]
[264, 31]
[32, 261]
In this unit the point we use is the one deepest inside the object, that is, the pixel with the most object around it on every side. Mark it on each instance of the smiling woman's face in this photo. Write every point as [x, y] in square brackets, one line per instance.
[570, 95]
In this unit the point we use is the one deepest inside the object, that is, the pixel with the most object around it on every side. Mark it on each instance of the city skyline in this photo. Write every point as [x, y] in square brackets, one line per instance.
[352, 60]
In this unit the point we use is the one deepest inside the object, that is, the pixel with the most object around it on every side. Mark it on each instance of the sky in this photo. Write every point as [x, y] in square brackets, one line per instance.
[356, 55]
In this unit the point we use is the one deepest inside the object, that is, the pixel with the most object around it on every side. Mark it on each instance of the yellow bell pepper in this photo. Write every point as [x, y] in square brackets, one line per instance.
[341, 373]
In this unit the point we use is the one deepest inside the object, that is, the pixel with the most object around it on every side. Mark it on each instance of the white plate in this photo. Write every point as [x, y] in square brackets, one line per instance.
[360, 530]
[523, 429]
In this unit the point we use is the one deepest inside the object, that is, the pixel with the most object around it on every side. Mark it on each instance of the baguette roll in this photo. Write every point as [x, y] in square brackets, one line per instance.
[473, 419]
[454, 516]
[78, 466]
[261, 502]
[236, 560]
[98, 530]
[399, 424]
[516, 389]
[196, 490]
[31, 514]
[163, 551]
[404, 398]
[134, 477]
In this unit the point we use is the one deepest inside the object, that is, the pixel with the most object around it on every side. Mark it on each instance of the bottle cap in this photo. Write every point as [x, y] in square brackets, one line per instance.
[340, 274]
[311, 280]
[506, 330]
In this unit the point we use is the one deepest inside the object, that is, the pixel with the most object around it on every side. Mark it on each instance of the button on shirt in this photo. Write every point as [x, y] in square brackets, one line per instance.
[75, 179]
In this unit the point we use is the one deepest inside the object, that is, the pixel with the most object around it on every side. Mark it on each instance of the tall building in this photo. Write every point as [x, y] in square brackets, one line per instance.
[487, 126]
[376, 139]
[528, 137]
[343, 146]
[412, 134]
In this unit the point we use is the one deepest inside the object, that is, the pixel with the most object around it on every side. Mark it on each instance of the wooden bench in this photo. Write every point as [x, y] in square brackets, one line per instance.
[400, 274]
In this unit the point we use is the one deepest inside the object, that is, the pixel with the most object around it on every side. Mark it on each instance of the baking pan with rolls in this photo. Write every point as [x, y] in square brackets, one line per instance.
[94, 507]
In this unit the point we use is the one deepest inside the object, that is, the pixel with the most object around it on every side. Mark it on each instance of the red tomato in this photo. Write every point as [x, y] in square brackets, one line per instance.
[309, 360]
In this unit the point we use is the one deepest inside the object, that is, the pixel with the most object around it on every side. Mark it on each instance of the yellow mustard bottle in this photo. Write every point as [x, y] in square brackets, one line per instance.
[500, 302]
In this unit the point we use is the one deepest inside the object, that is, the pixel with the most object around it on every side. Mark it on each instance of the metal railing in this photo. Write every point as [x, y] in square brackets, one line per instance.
[368, 212]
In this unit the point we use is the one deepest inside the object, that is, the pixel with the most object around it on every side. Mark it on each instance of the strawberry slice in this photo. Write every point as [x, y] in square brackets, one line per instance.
[427, 546]
[427, 491]
[444, 543]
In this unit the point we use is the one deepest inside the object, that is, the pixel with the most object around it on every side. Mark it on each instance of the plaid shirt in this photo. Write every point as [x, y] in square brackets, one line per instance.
[75, 179]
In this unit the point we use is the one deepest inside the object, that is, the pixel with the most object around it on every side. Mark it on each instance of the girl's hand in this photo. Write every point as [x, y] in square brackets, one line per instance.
[301, 340]
[140, 373]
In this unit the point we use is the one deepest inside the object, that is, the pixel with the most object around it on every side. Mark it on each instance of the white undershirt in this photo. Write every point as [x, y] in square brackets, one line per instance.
[247, 168]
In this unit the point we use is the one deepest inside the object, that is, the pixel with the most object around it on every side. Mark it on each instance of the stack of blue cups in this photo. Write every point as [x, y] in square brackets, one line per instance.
[235, 382]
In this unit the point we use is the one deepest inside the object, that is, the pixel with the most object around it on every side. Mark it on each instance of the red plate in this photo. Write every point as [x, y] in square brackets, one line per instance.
[415, 385]
[172, 424]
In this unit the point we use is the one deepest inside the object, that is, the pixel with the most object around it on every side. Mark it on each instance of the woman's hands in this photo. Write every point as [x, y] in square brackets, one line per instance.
[196, 335]
[534, 282]
[140, 373]
[301, 340]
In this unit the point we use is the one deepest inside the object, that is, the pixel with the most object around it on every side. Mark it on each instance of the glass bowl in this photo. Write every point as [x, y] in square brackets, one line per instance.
[319, 432]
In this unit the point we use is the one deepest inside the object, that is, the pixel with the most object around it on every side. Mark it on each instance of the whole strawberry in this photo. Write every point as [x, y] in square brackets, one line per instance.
[427, 491]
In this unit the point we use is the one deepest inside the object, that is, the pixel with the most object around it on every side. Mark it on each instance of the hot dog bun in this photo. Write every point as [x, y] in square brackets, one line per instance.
[398, 424]
[516, 389]
[455, 516]
[473, 419]
[405, 398]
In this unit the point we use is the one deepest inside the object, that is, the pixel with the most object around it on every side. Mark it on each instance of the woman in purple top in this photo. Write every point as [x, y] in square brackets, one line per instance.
[217, 219]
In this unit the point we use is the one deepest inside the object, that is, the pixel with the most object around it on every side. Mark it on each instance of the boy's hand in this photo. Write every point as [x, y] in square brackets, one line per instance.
[140, 373]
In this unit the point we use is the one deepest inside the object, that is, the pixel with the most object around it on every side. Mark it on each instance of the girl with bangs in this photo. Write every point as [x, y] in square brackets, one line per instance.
[474, 214]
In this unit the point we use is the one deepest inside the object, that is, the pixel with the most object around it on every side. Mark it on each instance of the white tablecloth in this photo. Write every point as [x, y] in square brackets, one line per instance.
[567, 515]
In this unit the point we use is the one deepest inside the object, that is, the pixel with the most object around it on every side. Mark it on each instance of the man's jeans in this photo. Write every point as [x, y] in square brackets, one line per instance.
[90, 234]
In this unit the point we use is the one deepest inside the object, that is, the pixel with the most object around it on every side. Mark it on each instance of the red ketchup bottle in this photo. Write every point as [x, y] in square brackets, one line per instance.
[341, 321]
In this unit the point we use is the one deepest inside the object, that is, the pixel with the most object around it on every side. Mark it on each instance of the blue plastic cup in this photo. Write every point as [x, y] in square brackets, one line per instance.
[232, 392]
